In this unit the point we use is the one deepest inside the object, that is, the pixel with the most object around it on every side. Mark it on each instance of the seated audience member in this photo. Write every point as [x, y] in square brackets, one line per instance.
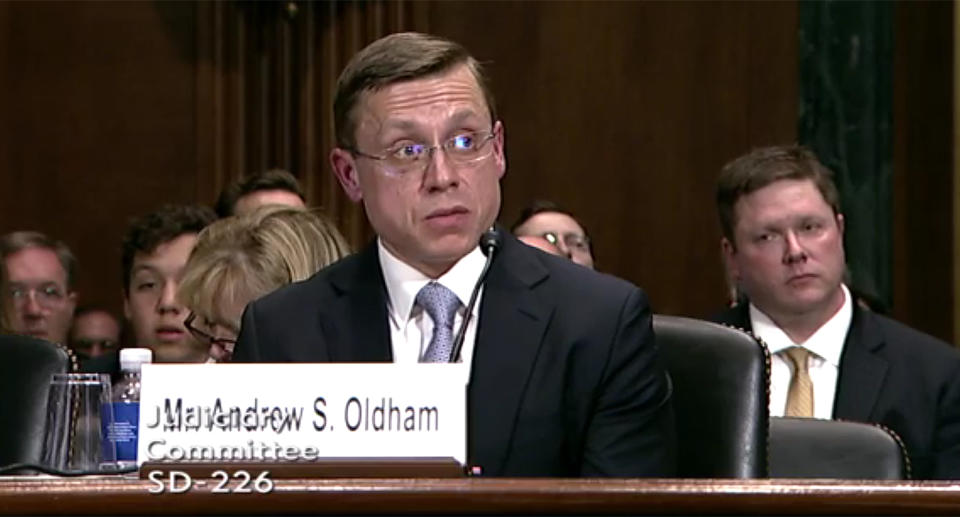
[239, 259]
[37, 278]
[783, 241]
[274, 187]
[559, 227]
[540, 243]
[565, 377]
[155, 250]
[95, 332]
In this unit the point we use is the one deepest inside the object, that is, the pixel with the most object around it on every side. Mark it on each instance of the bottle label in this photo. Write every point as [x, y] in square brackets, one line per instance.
[122, 432]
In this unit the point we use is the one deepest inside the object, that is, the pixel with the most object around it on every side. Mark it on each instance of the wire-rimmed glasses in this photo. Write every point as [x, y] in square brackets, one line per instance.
[572, 241]
[204, 337]
[464, 148]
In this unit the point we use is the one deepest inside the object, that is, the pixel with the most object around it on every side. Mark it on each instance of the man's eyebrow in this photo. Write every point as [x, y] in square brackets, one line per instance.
[463, 114]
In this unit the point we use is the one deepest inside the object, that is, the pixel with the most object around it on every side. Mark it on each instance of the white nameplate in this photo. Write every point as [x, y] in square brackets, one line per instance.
[301, 412]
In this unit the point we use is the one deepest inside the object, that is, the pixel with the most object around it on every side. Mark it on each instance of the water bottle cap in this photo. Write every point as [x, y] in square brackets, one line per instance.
[132, 358]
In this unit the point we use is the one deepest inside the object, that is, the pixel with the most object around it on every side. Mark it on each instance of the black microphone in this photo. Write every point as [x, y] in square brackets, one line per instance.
[490, 242]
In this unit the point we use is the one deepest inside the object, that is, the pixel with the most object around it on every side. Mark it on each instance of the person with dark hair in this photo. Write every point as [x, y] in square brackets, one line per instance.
[274, 187]
[558, 226]
[783, 243]
[95, 332]
[565, 378]
[37, 279]
[155, 250]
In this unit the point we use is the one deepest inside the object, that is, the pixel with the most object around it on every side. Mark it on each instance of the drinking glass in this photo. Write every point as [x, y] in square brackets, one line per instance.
[78, 410]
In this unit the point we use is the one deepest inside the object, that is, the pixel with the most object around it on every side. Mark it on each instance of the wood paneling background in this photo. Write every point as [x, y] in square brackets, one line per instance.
[923, 166]
[621, 111]
[99, 124]
[624, 112]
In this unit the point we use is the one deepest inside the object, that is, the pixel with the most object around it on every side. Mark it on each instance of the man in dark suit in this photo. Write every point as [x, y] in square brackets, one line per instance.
[565, 377]
[783, 245]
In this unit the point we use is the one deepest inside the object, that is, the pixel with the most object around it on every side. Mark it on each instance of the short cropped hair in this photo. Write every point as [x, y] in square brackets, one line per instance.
[764, 166]
[541, 206]
[273, 179]
[14, 242]
[397, 58]
[247, 256]
[146, 233]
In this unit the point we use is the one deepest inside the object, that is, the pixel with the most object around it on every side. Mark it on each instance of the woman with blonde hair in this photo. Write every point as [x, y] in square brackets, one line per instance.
[241, 258]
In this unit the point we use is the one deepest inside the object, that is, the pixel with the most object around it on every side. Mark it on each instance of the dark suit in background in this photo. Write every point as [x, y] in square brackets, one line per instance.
[565, 379]
[893, 375]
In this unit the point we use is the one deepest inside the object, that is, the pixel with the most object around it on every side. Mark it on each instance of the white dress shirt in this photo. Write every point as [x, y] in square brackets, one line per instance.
[825, 345]
[410, 326]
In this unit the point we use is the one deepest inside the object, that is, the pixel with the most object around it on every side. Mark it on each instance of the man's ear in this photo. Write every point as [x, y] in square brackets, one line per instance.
[72, 300]
[345, 168]
[728, 252]
[499, 153]
[840, 223]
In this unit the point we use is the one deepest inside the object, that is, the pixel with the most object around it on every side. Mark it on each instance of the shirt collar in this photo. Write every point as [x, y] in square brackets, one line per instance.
[826, 342]
[404, 281]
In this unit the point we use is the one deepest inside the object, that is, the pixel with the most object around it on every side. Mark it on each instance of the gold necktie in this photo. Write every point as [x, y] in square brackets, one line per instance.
[800, 397]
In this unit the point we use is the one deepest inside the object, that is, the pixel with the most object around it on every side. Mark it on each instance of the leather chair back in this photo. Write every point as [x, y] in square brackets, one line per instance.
[835, 449]
[26, 366]
[721, 382]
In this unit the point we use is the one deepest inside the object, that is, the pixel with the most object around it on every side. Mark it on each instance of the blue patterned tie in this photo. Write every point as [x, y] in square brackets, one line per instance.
[441, 304]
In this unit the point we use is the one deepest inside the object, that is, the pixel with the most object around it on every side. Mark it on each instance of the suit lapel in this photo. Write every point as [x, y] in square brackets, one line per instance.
[862, 371]
[355, 326]
[512, 323]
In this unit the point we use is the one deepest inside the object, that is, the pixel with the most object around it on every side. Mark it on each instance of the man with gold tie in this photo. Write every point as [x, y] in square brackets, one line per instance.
[783, 244]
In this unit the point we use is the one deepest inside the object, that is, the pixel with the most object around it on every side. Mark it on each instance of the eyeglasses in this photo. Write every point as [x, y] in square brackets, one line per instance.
[47, 296]
[462, 149]
[572, 241]
[202, 336]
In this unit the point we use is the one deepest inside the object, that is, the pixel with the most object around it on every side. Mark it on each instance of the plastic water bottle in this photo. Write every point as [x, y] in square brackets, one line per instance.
[126, 405]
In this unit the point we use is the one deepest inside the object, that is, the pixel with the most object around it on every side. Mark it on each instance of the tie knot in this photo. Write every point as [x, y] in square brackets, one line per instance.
[798, 356]
[440, 303]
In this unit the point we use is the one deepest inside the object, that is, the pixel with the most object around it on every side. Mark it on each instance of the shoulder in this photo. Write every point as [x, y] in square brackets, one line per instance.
[314, 291]
[737, 316]
[577, 296]
[560, 276]
[906, 342]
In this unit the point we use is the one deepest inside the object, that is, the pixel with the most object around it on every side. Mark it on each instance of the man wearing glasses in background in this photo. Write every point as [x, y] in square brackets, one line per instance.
[564, 374]
[559, 227]
[38, 296]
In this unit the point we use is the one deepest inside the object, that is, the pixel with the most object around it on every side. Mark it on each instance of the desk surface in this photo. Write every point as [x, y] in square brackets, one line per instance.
[116, 495]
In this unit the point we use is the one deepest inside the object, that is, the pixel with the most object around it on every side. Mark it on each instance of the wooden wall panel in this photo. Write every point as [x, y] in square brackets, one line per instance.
[99, 121]
[923, 175]
[624, 112]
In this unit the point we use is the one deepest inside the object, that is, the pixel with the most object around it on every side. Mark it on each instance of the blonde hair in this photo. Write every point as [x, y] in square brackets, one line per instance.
[241, 258]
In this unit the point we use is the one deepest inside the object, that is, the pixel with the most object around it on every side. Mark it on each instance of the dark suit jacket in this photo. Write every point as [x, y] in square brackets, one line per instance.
[565, 379]
[896, 376]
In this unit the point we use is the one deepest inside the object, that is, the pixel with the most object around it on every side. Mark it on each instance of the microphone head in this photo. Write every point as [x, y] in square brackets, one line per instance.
[490, 241]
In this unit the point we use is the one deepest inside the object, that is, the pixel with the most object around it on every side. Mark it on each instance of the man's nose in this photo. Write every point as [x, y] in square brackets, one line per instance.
[168, 298]
[440, 173]
[794, 251]
[31, 306]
